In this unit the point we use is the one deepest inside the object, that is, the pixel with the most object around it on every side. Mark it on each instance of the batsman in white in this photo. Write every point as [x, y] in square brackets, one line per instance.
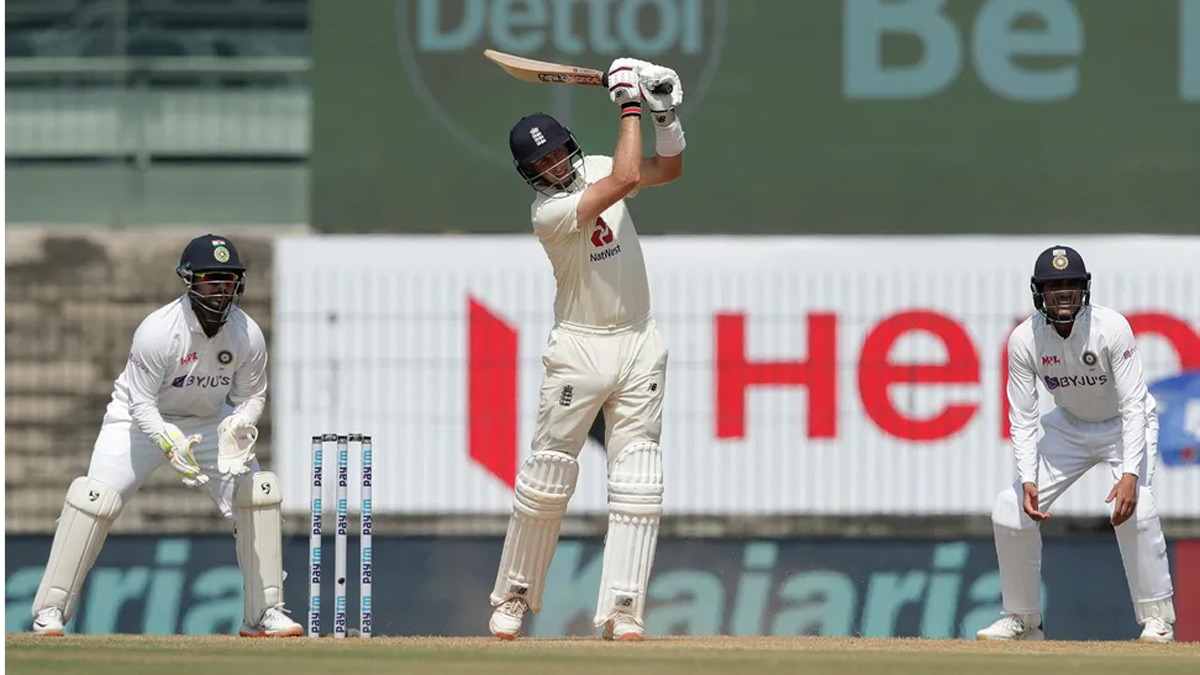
[1088, 360]
[191, 394]
[603, 353]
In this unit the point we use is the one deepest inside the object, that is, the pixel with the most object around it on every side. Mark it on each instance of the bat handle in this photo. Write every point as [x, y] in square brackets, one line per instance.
[664, 88]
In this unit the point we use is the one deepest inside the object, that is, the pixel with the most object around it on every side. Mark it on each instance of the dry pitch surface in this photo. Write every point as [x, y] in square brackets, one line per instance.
[218, 655]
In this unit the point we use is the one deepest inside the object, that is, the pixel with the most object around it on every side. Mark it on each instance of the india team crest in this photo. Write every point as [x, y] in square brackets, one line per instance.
[221, 254]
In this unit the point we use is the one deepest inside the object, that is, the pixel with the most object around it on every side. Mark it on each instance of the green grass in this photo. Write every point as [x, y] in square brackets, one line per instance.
[218, 655]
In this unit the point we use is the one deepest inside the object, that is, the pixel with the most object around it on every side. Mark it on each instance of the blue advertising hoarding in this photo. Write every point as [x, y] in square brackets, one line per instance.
[440, 586]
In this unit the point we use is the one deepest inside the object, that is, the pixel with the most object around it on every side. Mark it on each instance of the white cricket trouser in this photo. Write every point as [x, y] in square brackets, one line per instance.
[1068, 448]
[622, 372]
[124, 458]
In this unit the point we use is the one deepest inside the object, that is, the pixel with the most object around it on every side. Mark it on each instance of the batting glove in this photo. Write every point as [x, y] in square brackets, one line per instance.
[658, 98]
[623, 82]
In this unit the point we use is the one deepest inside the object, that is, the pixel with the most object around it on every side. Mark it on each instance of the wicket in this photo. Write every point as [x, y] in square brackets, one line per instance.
[340, 620]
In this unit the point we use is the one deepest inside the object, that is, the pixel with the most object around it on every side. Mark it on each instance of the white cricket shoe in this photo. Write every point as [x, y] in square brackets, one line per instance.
[48, 622]
[1157, 630]
[1012, 627]
[623, 628]
[274, 624]
[506, 619]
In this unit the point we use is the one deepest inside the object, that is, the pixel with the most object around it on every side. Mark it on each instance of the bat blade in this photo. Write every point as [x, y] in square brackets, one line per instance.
[544, 72]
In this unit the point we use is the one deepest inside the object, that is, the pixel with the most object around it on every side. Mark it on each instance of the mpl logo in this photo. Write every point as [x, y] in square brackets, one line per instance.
[441, 44]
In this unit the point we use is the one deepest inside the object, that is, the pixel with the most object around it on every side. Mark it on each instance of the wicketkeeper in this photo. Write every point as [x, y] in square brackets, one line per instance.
[191, 394]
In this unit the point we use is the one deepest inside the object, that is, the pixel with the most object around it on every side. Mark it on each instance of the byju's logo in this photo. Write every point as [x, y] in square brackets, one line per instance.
[441, 44]
[202, 381]
[1053, 383]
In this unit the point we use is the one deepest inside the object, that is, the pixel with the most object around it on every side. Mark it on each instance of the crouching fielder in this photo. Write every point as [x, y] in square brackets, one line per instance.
[604, 353]
[189, 361]
[1088, 360]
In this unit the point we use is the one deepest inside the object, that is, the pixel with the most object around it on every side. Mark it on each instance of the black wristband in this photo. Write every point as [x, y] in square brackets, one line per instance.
[631, 109]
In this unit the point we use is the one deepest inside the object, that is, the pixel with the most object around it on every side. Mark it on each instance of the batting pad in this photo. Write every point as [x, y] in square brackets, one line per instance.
[1161, 609]
[635, 496]
[544, 486]
[260, 543]
[87, 516]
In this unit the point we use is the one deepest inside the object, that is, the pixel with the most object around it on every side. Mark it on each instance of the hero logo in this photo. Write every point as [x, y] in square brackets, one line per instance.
[436, 37]
[494, 366]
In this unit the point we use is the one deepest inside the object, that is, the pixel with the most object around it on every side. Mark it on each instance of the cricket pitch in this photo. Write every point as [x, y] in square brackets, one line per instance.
[206, 655]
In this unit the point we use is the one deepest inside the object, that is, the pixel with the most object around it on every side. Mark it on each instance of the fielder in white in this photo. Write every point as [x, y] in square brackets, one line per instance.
[1088, 360]
[603, 353]
[191, 394]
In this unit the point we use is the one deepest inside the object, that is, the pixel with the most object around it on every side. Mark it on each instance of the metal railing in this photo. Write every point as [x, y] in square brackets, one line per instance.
[144, 109]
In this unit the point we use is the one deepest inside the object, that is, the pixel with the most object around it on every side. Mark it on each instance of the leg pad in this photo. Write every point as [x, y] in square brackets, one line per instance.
[91, 508]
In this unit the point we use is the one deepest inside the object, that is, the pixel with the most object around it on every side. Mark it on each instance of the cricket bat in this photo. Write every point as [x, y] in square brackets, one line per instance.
[544, 72]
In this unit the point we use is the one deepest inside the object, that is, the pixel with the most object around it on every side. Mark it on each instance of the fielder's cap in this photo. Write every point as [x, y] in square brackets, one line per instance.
[536, 136]
[211, 253]
[1059, 262]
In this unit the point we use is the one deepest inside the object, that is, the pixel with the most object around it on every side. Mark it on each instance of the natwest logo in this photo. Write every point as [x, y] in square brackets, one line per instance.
[601, 234]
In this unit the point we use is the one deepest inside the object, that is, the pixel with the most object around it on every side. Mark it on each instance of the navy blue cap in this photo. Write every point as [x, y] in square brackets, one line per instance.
[1059, 262]
[210, 253]
[536, 136]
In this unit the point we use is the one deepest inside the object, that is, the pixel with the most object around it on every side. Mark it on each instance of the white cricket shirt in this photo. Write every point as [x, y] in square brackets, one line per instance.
[598, 266]
[177, 372]
[1095, 374]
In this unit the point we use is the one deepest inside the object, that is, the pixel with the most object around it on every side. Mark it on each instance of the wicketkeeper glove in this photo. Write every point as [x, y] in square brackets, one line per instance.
[178, 449]
[235, 443]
